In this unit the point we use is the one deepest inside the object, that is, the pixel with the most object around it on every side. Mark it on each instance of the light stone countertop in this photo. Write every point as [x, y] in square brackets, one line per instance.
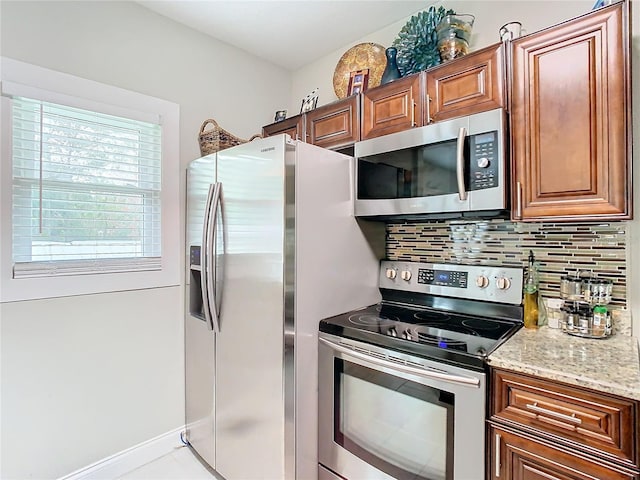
[610, 365]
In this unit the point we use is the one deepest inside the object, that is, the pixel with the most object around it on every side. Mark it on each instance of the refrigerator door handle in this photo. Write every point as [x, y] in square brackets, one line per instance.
[211, 273]
[204, 277]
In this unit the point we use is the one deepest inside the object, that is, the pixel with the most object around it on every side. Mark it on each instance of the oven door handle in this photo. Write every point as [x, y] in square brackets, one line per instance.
[421, 372]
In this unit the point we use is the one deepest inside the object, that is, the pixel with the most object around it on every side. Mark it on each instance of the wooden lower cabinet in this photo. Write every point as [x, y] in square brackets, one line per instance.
[542, 429]
[587, 419]
[517, 456]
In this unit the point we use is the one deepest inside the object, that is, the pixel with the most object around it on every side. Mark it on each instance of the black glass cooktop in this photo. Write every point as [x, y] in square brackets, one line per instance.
[449, 337]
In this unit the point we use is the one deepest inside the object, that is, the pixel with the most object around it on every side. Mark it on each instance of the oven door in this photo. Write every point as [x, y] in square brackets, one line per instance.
[387, 415]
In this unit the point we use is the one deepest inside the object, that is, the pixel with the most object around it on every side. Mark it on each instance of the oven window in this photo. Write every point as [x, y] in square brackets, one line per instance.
[425, 171]
[402, 428]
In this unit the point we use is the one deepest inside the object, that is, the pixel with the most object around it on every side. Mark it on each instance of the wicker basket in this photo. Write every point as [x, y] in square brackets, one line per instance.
[217, 138]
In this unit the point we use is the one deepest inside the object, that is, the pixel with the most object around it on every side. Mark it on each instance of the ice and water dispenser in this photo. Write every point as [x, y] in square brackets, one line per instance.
[195, 283]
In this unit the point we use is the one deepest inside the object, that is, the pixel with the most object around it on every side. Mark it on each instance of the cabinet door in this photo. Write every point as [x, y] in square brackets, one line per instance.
[470, 84]
[335, 125]
[519, 457]
[571, 121]
[393, 107]
[294, 126]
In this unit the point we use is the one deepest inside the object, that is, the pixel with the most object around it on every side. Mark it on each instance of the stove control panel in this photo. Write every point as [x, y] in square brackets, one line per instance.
[474, 282]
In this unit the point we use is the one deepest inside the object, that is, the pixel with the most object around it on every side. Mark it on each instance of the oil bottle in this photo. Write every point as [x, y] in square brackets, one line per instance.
[531, 294]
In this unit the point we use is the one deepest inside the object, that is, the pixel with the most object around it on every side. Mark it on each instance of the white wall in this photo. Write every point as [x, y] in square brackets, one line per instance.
[490, 16]
[85, 377]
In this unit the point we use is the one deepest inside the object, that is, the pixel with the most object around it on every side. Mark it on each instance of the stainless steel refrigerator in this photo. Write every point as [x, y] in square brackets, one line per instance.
[273, 247]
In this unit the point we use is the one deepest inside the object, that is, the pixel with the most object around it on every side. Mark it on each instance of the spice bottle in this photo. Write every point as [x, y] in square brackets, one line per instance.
[531, 294]
[600, 320]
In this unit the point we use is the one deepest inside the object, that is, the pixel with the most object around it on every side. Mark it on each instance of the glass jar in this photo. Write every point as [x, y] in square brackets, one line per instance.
[454, 33]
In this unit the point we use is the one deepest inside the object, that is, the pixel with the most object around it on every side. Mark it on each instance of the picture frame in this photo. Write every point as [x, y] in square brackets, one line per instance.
[280, 115]
[358, 82]
[309, 102]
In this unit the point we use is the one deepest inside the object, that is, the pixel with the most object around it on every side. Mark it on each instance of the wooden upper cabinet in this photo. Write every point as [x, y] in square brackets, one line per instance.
[470, 84]
[335, 125]
[393, 107]
[570, 119]
[294, 126]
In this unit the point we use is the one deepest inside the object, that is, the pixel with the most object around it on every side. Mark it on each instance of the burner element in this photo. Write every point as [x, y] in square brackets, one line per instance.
[479, 324]
[369, 320]
[431, 317]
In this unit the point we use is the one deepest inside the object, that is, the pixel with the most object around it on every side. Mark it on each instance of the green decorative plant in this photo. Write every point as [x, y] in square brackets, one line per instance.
[417, 41]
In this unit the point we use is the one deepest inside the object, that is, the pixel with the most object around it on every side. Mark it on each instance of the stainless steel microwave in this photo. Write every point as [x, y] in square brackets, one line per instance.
[447, 169]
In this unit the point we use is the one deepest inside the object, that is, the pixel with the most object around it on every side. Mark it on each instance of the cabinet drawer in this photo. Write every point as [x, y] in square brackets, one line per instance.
[594, 420]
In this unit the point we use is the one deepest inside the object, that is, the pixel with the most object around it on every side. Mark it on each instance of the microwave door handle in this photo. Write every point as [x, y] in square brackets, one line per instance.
[462, 192]
[424, 372]
[211, 257]
[204, 256]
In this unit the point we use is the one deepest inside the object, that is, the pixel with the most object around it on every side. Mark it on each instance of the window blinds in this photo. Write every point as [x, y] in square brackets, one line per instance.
[86, 191]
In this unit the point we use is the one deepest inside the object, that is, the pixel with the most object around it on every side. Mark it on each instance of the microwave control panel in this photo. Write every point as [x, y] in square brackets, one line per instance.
[484, 156]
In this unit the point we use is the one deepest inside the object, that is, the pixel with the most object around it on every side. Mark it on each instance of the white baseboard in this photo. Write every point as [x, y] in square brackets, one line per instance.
[122, 462]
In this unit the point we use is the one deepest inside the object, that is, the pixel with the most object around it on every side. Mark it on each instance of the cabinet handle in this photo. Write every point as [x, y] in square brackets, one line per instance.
[428, 103]
[518, 200]
[497, 459]
[569, 418]
[413, 113]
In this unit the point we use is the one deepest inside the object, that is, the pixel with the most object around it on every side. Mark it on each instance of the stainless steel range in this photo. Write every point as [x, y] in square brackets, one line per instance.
[402, 384]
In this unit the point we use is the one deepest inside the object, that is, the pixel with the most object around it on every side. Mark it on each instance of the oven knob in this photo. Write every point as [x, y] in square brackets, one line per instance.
[483, 162]
[482, 281]
[392, 331]
[406, 275]
[391, 273]
[503, 283]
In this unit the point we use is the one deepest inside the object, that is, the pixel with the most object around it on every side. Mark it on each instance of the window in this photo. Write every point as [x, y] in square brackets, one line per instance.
[86, 188]
[90, 188]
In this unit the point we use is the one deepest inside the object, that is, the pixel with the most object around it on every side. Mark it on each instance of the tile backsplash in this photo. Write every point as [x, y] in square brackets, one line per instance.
[561, 249]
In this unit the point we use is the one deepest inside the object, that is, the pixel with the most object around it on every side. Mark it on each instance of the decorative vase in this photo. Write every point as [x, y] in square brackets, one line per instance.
[454, 32]
[391, 71]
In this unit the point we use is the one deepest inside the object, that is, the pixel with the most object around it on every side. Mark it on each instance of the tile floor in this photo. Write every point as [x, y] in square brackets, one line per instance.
[180, 464]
